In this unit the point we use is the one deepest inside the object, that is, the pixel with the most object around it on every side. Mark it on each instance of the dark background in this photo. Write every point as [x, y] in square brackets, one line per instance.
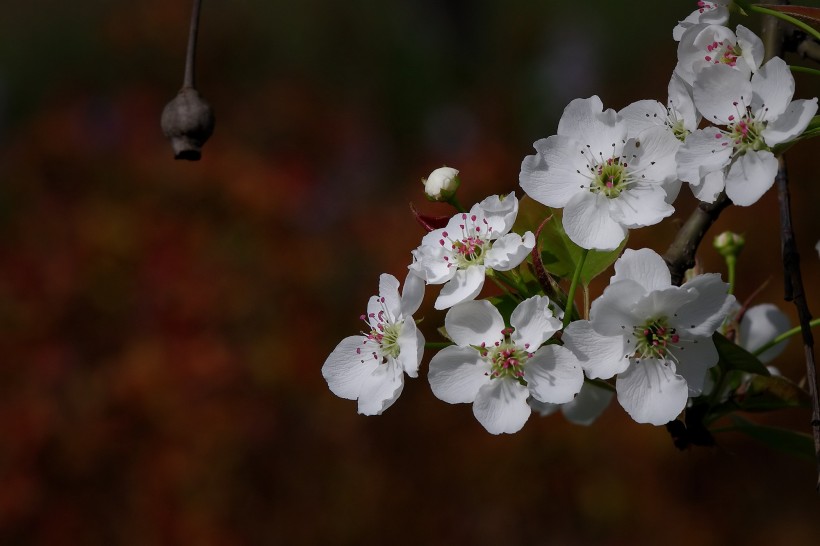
[163, 324]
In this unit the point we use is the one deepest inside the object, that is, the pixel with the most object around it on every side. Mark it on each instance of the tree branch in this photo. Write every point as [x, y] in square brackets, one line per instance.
[681, 253]
[773, 40]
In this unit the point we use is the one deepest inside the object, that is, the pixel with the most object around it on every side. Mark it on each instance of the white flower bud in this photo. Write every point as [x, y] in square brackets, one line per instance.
[441, 184]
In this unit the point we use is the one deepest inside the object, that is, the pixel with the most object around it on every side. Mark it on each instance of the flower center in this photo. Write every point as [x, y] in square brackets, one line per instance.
[471, 246]
[654, 338]
[506, 358]
[610, 179]
[723, 53]
[745, 134]
[384, 332]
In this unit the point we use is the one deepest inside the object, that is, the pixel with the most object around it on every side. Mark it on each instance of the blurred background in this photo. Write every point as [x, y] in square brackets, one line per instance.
[163, 323]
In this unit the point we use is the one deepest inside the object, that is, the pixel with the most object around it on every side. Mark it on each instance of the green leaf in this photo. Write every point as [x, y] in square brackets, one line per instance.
[735, 357]
[781, 439]
[769, 393]
[559, 254]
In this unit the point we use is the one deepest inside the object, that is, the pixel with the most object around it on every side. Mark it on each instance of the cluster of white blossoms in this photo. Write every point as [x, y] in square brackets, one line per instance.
[645, 341]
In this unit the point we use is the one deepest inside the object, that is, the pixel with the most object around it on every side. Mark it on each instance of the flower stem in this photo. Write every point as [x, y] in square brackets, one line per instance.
[782, 337]
[189, 77]
[437, 344]
[808, 29]
[571, 294]
[731, 262]
[453, 200]
[805, 69]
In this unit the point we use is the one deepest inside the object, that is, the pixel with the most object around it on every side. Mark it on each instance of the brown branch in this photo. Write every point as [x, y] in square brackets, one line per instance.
[793, 288]
[773, 39]
[681, 253]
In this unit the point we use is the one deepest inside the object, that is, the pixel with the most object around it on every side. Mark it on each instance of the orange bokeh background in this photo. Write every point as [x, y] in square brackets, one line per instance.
[163, 324]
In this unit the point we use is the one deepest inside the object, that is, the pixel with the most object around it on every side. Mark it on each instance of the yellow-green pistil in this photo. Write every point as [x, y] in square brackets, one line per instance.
[610, 179]
[654, 338]
[506, 358]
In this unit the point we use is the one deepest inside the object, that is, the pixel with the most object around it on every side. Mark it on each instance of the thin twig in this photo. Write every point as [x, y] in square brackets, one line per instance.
[188, 79]
[793, 287]
[681, 253]
[792, 277]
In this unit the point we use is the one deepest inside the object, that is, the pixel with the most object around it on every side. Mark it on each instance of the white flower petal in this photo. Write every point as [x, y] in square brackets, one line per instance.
[411, 294]
[644, 205]
[588, 224]
[509, 251]
[409, 356]
[347, 367]
[680, 100]
[553, 175]
[553, 374]
[750, 176]
[704, 151]
[590, 403]
[500, 212]
[381, 388]
[642, 115]
[600, 130]
[456, 374]
[465, 285]
[501, 406]
[790, 124]
[694, 358]
[773, 87]
[612, 313]
[644, 266]
[533, 322]
[474, 323]
[761, 324]
[389, 294]
[704, 315]
[600, 356]
[429, 261]
[752, 47]
[651, 392]
[652, 155]
[720, 92]
[711, 186]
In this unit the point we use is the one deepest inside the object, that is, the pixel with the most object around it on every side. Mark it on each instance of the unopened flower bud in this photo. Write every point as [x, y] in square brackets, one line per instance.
[187, 121]
[442, 184]
[729, 244]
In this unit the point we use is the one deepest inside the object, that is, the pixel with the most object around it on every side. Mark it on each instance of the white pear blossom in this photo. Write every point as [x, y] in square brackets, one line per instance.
[605, 181]
[705, 45]
[757, 114]
[370, 367]
[679, 117]
[441, 184]
[473, 243]
[497, 368]
[759, 325]
[584, 409]
[715, 12]
[654, 336]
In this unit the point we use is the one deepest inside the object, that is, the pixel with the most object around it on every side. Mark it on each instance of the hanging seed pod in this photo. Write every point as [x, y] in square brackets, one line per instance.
[187, 121]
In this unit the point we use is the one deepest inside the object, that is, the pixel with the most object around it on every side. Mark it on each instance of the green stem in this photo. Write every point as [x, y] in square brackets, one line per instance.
[731, 261]
[499, 284]
[454, 201]
[782, 337]
[808, 29]
[437, 344]
[512, 278]
[805, 69]
[571, 294]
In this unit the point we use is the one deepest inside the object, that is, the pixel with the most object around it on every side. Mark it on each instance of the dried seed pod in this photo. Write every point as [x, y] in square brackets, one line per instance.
[187, 121]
